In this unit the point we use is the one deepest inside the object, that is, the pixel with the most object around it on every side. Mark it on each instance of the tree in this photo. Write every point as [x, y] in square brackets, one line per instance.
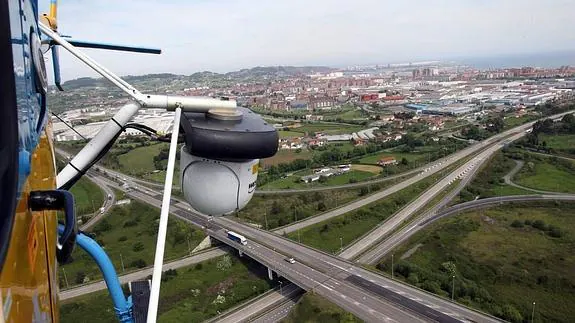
[517, 224]
[224, 263]
[539, 224]
[138, 246]
[276, 208]
[103, 226]
[568, 118]
[138, 263]
[511, 313]
[321, 206]
[495, 124]
[404, 161]
[363, 191]
[80, 276]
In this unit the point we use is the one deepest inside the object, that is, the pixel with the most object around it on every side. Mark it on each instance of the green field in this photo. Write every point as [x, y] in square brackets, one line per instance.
[312, 308]
[512, 121]
[289, 134]
[328, 128]
[548, 174]
[87, 195]
[294, 181]
[349, 115]
[326, 235]
[503, 259]
[283, 209]
[129, 233]
[489, 180]
[416, 158]
[188, 296]
[286, 156]
[140, 160]
[559, 144]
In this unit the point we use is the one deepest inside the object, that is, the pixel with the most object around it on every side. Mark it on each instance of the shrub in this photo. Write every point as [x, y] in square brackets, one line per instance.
[539, 224]
[80, 276]
[138, 246]
[122, 238]
[138, 263]
[517, 224]
[130, 223]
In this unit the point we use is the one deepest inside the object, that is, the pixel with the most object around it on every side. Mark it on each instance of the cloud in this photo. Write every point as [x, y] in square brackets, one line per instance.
[222, 35]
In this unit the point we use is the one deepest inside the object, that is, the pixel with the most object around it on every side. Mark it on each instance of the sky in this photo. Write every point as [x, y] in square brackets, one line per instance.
[227, 35]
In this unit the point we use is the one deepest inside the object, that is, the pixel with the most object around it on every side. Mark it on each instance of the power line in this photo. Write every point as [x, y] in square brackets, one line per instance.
[69, 126]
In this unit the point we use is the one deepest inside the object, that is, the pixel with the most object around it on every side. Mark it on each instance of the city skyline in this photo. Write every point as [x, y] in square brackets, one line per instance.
[300, 33]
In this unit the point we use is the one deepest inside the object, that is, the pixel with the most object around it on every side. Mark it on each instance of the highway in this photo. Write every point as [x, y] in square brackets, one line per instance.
[372, 297]
[242, 313]
[405, 233]
[108, 203]
[465, 172]
[143, 273]
[347, 278]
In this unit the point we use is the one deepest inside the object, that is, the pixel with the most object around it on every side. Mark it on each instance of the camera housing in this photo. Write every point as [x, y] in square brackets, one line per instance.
[219, 161]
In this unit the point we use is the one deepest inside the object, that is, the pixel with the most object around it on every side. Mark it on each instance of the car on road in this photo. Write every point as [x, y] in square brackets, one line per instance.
[290, 260]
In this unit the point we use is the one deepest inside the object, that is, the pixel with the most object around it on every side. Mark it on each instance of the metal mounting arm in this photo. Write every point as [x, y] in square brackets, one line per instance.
[85, 158]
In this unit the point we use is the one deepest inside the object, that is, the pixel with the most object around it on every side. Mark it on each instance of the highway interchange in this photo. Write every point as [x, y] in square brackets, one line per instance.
[340, 281]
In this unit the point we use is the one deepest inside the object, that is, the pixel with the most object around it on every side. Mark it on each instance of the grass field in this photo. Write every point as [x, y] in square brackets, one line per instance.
[289, 134]
[129, 233]
[328, 128]
[512, 121]
[349, 115]
[286, 156]
[504, 190]
[504, 259]
[560, 144]
[489, 180]
[314, 308]
[289, 207]
[189, 296]
[326, 235]
[87, 195]
[160, 176]
[140, 160]
[294, 181]
[545, 174]
[421, 157]
[367, 168]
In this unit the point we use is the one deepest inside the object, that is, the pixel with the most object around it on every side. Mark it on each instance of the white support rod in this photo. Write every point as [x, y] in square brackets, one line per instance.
[163, 227]
[187, 103]
[97, 144]
[123, 85]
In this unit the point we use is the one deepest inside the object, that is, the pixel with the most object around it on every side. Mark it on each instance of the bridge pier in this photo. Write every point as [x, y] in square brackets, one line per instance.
[270, 274]
[240, 253]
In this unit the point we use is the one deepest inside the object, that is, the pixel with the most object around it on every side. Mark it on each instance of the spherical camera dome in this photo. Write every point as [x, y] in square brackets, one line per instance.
[215, 187]
[211, 188]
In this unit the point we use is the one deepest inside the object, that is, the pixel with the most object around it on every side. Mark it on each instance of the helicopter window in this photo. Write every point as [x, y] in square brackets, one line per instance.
[8, 133]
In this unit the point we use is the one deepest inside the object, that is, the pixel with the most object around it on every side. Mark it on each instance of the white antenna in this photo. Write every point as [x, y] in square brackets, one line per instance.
[161, 241]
